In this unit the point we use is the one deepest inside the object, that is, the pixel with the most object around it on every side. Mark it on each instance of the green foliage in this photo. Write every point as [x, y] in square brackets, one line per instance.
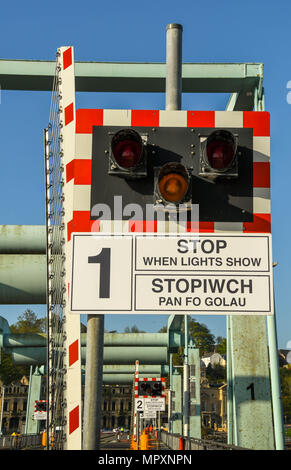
[221, 345]
[216, 373]
[203, 339]
[26, 323]
[29, 323]
[285, 377]
[133, 329]
[9, 372]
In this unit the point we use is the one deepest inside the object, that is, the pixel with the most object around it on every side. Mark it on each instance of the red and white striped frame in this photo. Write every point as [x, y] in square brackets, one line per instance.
[78, 170]
[38, 401]
[149, 379]
[135, 414]
[72, 323]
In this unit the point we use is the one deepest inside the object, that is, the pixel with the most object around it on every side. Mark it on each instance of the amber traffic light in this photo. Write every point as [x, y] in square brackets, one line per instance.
[173, 183]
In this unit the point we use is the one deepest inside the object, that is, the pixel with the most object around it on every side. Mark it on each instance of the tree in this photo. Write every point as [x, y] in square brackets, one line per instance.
[216, 373]
[29, 323]
[133, 329]
[203, 339]
[221, 345]
[9, 372]
[26, 323]
[285, 378]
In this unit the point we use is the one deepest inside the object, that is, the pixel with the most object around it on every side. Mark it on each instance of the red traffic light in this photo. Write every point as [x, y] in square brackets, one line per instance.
[173, 182]
[220, 150]
[127, 148]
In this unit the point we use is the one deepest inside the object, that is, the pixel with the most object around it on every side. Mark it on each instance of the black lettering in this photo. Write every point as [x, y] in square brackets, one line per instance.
[248, 286]
[220, 245]
[180, 245]
[155, 283]
[229, 287]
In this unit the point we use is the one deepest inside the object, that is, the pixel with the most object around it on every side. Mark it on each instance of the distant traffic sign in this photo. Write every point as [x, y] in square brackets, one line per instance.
[154, 404]
[156, 273]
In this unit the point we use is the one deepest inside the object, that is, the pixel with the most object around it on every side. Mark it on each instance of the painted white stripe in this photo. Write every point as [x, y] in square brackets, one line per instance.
[228, 119]
[228, 227]
[83, 146]
[173, 119]
[262, 203]
[116, 117]
[72, 393]
[261, 147]
[114, 226]
[82, 197]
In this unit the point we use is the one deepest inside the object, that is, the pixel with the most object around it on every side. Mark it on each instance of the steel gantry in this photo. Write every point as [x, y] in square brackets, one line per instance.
[26, 277]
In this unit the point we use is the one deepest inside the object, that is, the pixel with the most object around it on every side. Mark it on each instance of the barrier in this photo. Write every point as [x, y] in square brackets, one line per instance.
[144, 442]
[173, 442]
[24, 441]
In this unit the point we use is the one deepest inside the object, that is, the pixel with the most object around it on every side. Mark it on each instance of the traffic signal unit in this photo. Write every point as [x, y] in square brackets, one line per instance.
[219, 160]
[149, 387]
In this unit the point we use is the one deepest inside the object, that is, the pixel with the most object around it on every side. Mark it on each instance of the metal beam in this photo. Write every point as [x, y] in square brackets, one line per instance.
[112, 356]
[22, 279]
[15, 340]
[37, 75]
[22, 239]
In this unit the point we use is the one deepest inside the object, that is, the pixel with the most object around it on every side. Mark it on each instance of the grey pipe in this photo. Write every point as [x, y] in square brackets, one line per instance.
[174, 67]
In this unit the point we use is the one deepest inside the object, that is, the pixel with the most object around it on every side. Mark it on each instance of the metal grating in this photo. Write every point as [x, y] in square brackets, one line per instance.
[56, 369]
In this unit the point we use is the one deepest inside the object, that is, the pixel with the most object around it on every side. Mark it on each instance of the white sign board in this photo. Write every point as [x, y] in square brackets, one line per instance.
[154, 404]
[148, 415]
[39, 415]
[139, 404]
[226, 274]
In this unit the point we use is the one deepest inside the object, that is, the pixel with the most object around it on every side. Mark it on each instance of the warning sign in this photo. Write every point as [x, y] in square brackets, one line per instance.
[156, 273]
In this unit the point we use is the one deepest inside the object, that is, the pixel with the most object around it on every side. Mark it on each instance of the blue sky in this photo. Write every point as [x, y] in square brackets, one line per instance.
[134, 31]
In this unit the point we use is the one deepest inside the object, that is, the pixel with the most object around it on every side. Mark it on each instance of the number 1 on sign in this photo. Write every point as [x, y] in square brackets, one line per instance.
[104, 260]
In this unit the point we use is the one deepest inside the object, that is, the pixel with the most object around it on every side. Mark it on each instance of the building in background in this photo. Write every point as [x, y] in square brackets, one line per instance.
[13, 406]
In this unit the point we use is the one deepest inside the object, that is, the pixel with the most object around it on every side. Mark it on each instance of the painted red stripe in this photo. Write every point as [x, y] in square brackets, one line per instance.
[73, 352]
[82, 171]
[74, 420]
[200, 118]
[142, 226]
[145, 117]
[206, 227]
[70, 171]
[261, 174]
[261, 224]
[69, 114]
[67, 58]
[259, 121]
[87, 118]
[81, 223]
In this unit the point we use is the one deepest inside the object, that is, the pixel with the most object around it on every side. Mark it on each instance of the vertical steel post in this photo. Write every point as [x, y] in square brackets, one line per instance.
[177, 427]
[93, 382]
[229, 382]
[2, 407]
[186, 382]
[34, 395]
[173, 103]
[28, 399]
[194, 392]
[174, 67]
[170, 394]
[275, 382]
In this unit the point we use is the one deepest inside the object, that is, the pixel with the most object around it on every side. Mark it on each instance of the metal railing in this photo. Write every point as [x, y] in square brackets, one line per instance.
[26, 441]
[173, 441]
